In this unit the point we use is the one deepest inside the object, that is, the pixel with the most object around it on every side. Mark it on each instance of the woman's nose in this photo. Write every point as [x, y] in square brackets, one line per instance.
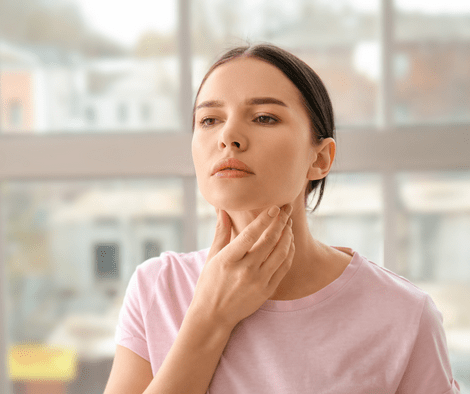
[232, 134]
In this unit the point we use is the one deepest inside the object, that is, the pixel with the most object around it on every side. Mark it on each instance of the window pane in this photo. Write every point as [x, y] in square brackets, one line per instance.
[337, 39]
[70, 250]
[350, 214]
[431, 61]
[434, 235]
[75, 66]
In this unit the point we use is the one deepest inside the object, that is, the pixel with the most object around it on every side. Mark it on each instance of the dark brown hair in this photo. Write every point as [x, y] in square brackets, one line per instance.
[314, 94]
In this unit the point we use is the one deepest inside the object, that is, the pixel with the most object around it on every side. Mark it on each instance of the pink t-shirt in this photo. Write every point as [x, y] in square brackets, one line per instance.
[370, 331]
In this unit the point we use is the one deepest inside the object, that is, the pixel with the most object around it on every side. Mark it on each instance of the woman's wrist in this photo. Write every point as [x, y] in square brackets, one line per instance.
[207, 323]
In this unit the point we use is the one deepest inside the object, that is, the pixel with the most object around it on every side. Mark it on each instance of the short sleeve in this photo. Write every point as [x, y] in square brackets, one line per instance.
[130, 330]
[428, 370]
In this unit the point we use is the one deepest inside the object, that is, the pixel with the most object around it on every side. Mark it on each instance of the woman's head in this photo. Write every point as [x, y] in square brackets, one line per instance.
[296, 134]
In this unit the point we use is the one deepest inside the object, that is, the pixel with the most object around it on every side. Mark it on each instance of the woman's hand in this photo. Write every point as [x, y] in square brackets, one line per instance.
[239, 276]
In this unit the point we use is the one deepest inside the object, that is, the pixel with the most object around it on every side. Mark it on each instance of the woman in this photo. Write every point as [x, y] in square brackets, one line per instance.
[269, 309]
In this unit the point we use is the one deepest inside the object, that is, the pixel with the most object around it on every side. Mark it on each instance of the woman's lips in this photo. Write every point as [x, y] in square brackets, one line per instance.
[232, 174]
[231, 163]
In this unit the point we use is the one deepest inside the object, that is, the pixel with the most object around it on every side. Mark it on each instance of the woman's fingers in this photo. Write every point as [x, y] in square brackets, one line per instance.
[251, 235]
[271, 236]
[223, 233]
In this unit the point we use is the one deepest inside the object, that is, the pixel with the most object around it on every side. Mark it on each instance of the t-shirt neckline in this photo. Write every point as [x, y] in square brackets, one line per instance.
[320, 295]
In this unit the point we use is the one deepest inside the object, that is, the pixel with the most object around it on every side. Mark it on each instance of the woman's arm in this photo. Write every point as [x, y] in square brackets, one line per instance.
[131, 374]
[192, 360]
[188, 366]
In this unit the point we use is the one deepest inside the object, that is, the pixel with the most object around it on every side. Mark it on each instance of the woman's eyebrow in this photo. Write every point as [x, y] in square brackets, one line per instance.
[210, 104]
[265, 100]
[252, 101]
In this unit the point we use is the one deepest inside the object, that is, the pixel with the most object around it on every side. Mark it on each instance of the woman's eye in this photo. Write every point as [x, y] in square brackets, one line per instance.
[265, 119]
[207, 122]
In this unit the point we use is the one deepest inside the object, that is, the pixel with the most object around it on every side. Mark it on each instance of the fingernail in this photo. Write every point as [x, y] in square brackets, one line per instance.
[289, 208]
[273, 211]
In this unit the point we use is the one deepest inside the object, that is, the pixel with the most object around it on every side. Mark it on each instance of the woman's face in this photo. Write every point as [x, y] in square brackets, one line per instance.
[272, 139]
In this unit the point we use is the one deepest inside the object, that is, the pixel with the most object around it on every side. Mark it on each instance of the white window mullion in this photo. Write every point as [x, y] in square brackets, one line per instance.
[386, 124]
[389, 198]
[385, 99]
[189, 182]
[184, 45]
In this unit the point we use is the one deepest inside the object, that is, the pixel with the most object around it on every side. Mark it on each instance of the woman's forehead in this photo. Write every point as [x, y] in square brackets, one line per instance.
[244, 78]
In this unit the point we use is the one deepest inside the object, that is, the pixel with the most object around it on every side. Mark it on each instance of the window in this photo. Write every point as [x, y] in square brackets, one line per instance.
[435, 86]
[397, 72]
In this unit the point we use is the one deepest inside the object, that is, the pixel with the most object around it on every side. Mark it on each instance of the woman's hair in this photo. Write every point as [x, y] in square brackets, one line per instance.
[314, 95]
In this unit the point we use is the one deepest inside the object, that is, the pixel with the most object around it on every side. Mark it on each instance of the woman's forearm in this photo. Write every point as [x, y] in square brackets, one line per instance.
[192, 360]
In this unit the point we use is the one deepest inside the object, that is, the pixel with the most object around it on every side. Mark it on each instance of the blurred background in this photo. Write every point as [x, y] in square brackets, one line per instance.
[96, 172]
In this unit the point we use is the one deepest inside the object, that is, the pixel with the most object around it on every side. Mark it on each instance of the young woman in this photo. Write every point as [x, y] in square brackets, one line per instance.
[268, 308]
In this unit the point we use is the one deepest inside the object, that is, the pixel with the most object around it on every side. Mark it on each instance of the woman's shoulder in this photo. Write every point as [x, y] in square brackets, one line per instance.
[391, 285]
[173, 258]
[164, 274]
[170, 265]
[194, 259]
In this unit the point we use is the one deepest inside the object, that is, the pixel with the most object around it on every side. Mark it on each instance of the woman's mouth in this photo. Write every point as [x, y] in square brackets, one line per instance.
[231, 173]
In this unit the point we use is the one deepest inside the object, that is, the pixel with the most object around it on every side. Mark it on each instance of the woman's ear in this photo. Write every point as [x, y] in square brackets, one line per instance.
[325, 155]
